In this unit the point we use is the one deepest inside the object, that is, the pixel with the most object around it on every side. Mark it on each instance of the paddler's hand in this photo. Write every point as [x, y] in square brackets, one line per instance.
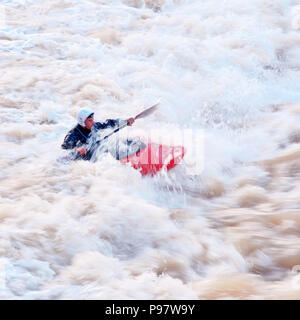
[82, 151]
[130, 121]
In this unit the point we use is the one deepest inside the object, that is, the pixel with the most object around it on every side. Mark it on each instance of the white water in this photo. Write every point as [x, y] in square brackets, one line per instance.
[99, 230]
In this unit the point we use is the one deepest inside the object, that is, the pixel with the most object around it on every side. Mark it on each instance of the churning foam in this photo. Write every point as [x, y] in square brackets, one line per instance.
[229, 69]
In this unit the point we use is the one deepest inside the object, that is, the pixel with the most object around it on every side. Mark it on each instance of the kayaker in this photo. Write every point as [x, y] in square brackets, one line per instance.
[76, 138]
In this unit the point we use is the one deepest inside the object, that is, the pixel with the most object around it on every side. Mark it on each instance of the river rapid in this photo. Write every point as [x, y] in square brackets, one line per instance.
[227, 70]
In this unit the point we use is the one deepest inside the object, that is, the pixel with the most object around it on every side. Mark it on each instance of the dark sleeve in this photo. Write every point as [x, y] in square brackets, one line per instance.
[109, 123]
[71, 140]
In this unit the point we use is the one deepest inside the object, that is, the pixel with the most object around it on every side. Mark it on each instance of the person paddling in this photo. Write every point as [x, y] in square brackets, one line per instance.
[76, 139]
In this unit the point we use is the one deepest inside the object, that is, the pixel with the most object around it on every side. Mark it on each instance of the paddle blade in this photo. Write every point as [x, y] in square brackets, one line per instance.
[147, 112]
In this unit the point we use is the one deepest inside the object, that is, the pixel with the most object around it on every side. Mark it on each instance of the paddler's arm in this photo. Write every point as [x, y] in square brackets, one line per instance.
[110, 123]
[72, 141]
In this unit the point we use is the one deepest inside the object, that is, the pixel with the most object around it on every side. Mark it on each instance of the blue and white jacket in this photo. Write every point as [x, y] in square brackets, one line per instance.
[79, 135]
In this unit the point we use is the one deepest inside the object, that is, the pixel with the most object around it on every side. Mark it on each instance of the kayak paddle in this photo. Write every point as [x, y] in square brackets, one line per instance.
[143, 114]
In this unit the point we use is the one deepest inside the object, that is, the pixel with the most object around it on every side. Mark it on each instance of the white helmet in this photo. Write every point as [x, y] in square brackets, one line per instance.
[83, 114]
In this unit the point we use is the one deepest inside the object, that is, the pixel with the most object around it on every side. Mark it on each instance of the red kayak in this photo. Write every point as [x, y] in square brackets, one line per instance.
[148, 158]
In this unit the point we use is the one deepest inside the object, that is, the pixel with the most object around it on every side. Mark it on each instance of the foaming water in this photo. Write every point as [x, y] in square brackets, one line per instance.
[99, 230]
